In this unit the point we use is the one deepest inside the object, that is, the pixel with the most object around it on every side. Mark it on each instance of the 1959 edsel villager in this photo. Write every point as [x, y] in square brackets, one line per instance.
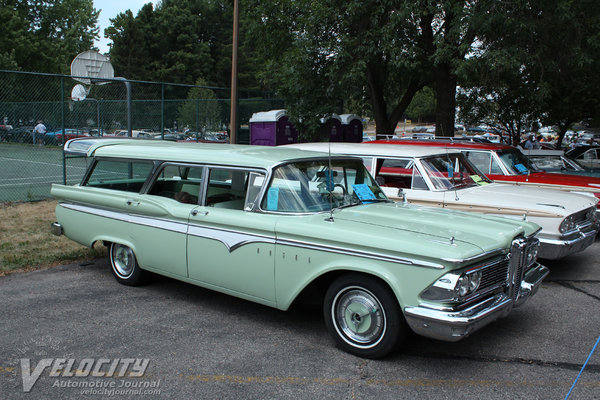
[273, 225]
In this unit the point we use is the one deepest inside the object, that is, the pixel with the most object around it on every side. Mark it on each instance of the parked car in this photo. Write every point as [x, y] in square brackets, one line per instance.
[136, 133]
[507, 164]
[557, 161]
[276, 225]
[444, 178]
[59, 137]
[209, 137]
[21, 134]
[588, 156]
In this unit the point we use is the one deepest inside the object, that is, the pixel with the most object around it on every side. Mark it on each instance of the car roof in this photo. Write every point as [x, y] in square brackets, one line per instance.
[458, 144]
[542, 152]
[209, 153]
[372, 149]
[575, 151]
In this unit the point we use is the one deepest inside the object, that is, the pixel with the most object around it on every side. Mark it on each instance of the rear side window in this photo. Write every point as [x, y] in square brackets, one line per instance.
[178, 182]
[399, 173]
[125, 175]
[227, 188]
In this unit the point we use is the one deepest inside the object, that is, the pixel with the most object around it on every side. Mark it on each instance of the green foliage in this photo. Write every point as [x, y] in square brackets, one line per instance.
[45, 36]
[201, 111]
[180, 41]
[537, 61]
[422, 106]
[321, 54]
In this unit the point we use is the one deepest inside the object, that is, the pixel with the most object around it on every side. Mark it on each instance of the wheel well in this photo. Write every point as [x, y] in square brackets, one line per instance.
[314, 293]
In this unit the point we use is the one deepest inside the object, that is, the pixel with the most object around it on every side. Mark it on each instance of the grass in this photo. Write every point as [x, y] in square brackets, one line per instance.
[26, 242]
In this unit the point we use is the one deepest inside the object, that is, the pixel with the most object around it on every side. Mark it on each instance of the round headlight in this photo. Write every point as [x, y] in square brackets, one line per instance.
[462, 286]
[566, 225]
[590, 214]
[474, 281]
[532, 255]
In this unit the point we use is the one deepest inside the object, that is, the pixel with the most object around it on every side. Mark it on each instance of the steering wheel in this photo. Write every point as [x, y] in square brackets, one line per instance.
[344, 191]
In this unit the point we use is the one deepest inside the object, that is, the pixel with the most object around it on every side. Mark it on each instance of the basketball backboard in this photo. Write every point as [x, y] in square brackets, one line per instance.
[91, 67]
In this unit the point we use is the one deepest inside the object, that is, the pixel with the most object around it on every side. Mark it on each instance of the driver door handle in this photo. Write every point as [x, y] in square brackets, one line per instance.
[201, 213]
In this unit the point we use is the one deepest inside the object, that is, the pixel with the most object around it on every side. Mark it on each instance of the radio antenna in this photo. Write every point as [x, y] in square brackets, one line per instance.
[451, 179]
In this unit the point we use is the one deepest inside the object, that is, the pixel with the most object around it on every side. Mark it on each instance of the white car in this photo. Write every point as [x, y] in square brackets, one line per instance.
[445, 178]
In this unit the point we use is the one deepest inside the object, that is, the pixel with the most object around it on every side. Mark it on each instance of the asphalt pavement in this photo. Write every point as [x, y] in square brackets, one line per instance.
[73, 332]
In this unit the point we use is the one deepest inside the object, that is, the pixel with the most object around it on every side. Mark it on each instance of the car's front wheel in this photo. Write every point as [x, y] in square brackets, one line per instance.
[124, 265]
[363, 316]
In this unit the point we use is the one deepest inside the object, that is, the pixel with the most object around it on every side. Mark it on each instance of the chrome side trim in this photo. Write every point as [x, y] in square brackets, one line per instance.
[233, 240]
[160, 223]
[357, 253]
[475, 258]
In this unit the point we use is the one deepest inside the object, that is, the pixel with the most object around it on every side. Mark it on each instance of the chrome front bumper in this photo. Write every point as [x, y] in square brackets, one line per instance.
[452, 326]
[552, 249]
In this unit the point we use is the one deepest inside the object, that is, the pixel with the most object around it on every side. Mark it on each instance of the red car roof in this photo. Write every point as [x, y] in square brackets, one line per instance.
[459, 144]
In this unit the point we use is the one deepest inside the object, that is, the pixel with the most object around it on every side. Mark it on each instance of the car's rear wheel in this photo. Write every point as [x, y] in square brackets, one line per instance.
[363, 316]
[124, 265]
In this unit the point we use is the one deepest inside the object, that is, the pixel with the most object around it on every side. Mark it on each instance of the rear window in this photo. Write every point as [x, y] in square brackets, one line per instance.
[125, 175]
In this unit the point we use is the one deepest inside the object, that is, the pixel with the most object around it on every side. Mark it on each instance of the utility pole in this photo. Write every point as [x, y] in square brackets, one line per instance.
[233, 123]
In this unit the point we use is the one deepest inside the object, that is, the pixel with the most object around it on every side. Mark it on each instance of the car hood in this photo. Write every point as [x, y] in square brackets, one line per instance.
[405, 230]
[568, 180]
[508, 199]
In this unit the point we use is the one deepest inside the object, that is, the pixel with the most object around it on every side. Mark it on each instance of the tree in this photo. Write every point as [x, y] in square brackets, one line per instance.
[319, 54]
[566, 49]
[201, 110]
[180, 41]
[536, 61]
[45, 36]
[422, 106]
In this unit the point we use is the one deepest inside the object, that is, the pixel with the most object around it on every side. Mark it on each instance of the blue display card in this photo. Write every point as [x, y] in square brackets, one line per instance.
[363, 192]
[272, 198]
[521, 168]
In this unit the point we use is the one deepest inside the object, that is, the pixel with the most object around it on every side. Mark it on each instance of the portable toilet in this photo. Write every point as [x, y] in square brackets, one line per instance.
[331, 128]
[272, 128]
[352, 128]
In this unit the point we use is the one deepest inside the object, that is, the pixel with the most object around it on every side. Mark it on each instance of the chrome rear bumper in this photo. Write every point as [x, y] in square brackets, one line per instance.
[56, 229]
[452, 326]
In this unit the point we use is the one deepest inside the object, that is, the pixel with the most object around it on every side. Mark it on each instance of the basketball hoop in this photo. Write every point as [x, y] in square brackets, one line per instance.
[91, 67]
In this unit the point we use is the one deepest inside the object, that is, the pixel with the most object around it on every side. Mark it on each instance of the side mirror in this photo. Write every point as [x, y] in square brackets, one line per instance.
[401, 195]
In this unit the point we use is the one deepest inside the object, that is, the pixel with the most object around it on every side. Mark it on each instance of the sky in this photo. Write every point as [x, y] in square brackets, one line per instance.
[109, 9]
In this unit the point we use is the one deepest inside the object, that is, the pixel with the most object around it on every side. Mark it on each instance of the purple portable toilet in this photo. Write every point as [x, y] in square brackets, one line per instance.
[352, 128]
[272, 128]
[332, 128]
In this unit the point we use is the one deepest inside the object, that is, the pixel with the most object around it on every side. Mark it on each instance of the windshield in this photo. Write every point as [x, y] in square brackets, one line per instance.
[555, 163]
[516, 162]
[312, 186]
[452, 171]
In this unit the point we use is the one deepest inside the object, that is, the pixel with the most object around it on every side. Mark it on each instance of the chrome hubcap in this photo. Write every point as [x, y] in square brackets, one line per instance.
[359, 317]
[123, 260]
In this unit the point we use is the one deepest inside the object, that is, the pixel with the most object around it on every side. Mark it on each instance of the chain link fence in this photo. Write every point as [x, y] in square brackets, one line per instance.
[30, 163]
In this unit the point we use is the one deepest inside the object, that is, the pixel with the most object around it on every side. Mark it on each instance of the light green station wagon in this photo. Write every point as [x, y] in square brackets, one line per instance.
[279, 225]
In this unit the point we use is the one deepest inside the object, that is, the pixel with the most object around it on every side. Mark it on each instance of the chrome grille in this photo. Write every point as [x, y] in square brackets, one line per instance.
[494, 274]
[585, 216]
[518, 264]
